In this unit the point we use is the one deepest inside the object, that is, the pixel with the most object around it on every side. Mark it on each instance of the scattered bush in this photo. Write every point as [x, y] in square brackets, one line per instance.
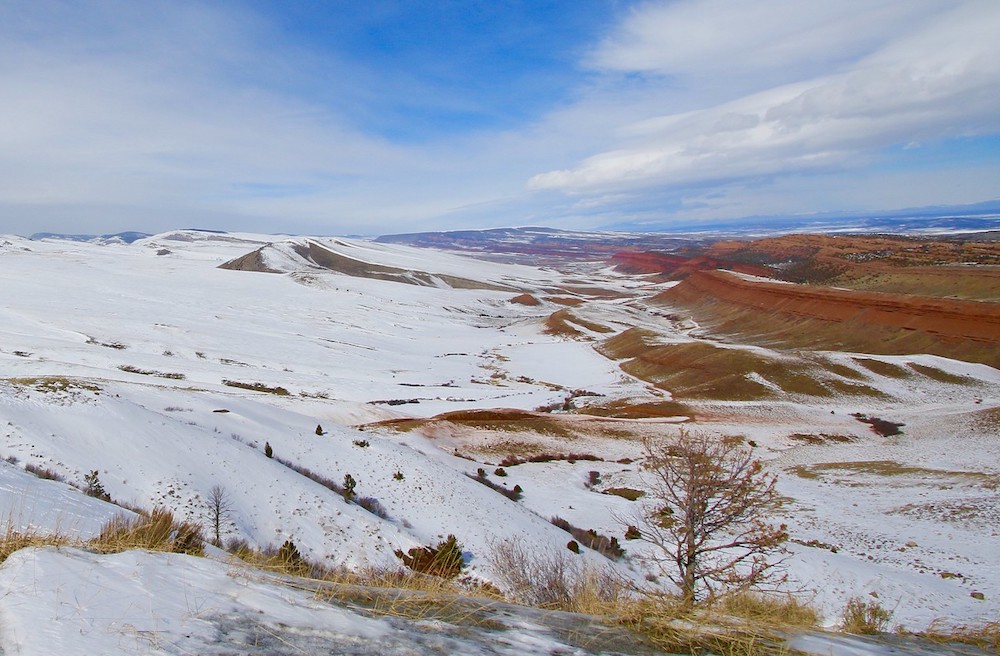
[398, 476]
[632, 533]
[361, 443]
[326, 482]
[865, 618]
[444, 560]
[500, 471]
[553, 579]
[625, 493]
[514, 494]
[256, 387]
[573, 546]
[607, 547]
[372, 505]
[151, 372]
[512, 461]
[42, 472]
[593, 478]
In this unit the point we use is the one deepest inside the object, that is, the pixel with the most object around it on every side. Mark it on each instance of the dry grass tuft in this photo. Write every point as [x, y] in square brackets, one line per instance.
[12, 540]
[664, 623]
[985, 636]
[157, 531]
[777, 610]
[556, 580]
[865, 617]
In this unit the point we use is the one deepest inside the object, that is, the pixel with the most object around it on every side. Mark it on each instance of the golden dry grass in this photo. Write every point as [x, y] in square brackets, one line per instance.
[984, 635]
[157, 531]
[12, 540]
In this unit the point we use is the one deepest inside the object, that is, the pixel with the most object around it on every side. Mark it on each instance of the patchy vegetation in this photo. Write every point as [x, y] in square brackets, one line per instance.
[256, 387]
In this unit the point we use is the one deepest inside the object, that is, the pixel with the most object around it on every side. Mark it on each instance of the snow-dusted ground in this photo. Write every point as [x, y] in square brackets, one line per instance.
[114, 359]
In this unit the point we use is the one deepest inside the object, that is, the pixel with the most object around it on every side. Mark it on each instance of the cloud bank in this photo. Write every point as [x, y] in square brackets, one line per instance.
[935, 80]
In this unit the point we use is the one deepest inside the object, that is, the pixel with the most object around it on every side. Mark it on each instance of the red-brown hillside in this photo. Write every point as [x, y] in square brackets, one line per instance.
[837, 319]
[676, 267]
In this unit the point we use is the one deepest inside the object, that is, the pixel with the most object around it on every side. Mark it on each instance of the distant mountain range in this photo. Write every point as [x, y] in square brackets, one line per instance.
[118, 237]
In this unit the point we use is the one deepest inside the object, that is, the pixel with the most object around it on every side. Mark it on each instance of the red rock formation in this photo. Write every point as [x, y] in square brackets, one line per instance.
[837, 319]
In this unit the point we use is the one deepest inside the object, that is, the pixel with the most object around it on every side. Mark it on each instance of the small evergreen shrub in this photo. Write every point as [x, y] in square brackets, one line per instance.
[268, 451]
[398, 476]
[573, 546]
[92, 487]
[349, 485]
[288, 559]
[500, 471]
[319, 430]
[444, 560]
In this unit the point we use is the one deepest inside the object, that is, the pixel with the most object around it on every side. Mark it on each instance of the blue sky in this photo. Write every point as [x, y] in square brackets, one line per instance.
[371, 117]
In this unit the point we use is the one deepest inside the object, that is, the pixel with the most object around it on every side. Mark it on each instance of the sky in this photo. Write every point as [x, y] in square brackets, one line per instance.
[375, 117]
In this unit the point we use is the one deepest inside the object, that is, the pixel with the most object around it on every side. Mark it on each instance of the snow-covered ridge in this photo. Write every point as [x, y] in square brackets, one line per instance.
[388, 262]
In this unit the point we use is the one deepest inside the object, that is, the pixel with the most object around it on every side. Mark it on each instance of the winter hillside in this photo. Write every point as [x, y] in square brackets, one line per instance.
[409, 370]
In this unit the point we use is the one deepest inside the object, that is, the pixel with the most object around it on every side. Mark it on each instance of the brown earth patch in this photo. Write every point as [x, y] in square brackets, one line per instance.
[568, 301]
[525, 299]
[699, 370]
[648, 410]
[563, 322]
[630, 343]
[250, 262]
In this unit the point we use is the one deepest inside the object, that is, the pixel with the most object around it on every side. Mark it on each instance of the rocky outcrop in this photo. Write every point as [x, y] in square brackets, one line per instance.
[837, 319]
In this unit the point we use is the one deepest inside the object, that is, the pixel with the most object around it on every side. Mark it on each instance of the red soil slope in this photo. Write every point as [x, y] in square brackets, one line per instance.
[675, 267]
[837, 319]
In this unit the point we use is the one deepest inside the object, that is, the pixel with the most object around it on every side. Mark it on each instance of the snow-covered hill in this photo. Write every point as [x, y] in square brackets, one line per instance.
[169, 375]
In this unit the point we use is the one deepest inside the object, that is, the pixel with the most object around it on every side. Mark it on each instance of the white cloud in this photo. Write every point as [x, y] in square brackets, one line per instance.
[935, 79]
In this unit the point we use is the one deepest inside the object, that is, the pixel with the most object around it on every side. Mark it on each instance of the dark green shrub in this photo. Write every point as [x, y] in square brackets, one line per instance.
[93, 488]
[349, 485]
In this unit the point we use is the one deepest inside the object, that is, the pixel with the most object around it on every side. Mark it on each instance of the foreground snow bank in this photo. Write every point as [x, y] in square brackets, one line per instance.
[68, 601]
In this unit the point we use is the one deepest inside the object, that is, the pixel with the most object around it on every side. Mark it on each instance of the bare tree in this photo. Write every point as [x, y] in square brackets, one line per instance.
[219, 509]
[707, 516]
